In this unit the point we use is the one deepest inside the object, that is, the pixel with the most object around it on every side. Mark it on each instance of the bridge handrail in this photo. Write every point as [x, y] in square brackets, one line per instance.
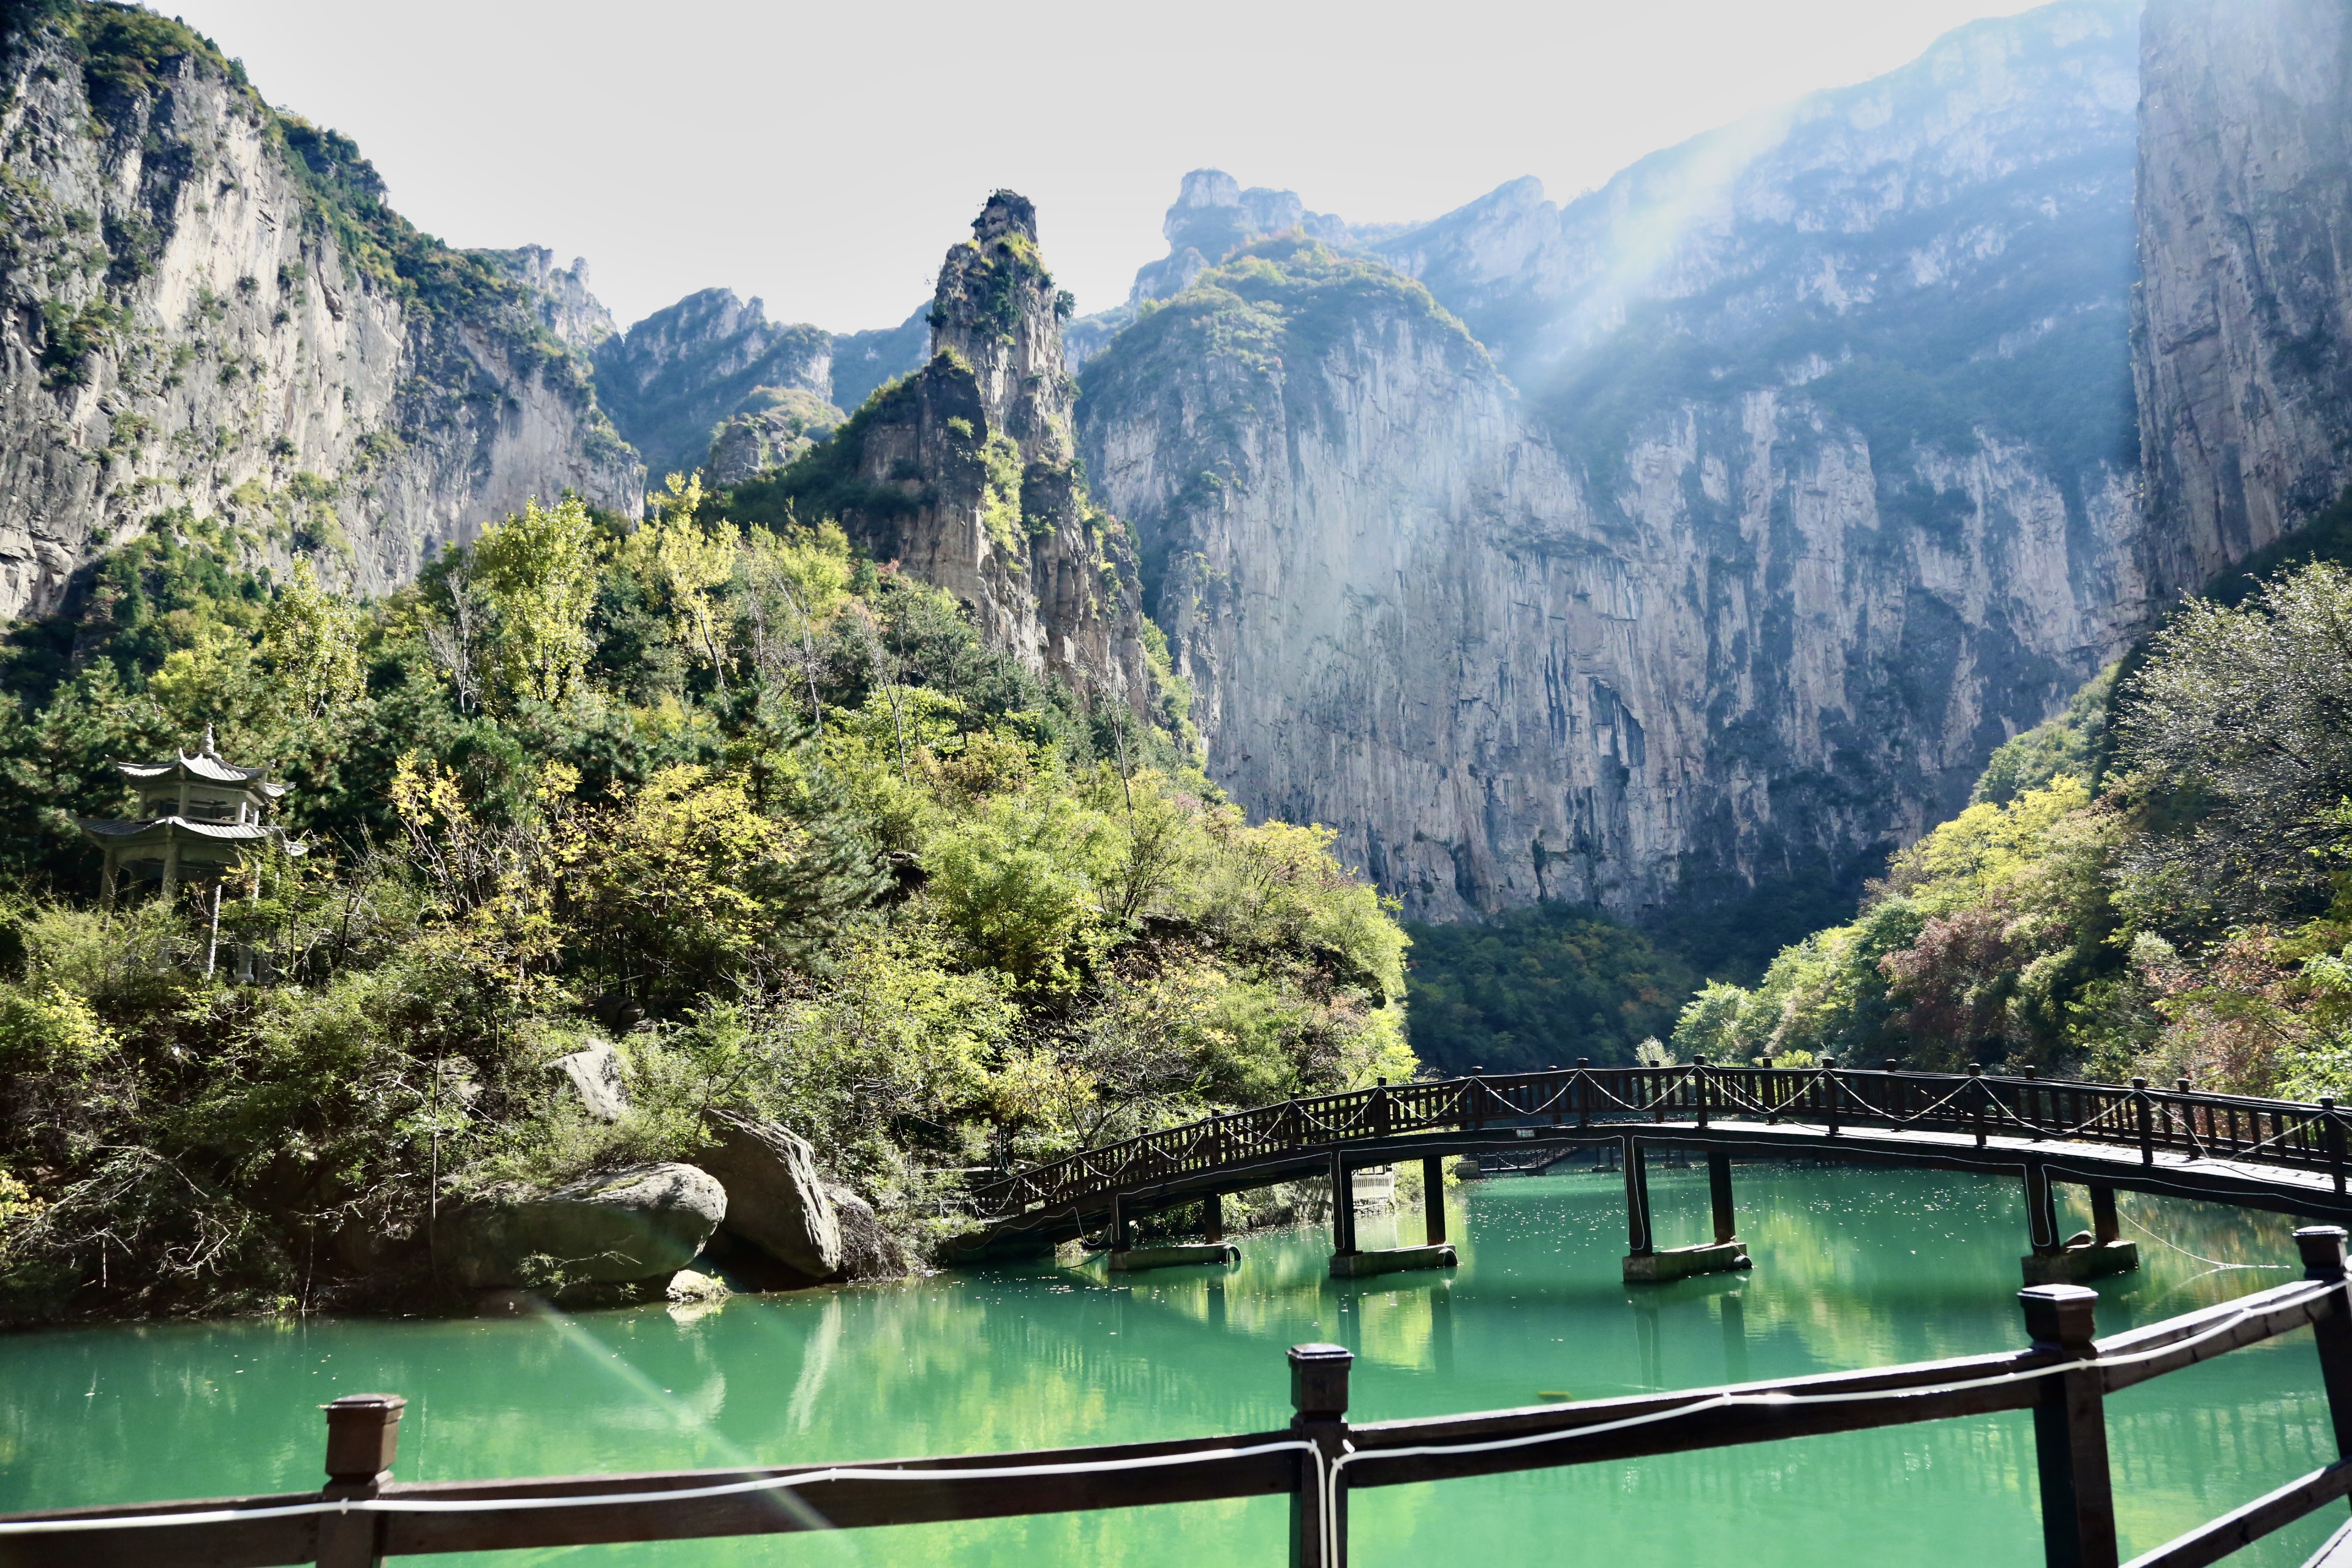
[2064, 1374]
[2180, 1121]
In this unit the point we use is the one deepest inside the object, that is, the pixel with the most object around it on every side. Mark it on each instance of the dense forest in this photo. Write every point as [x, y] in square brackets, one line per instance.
[767, 814]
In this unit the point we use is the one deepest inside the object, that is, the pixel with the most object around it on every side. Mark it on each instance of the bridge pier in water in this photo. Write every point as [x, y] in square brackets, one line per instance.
[1126, 1258]
[1646, 1264]
[1350, 1262]
[2086, 1255]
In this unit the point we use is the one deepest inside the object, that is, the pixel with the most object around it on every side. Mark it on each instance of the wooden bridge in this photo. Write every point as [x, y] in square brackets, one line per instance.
[2062, 1375]
[2277, 1156]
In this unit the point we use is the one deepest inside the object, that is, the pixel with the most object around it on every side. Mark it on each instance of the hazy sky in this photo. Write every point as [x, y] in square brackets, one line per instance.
[823, 157]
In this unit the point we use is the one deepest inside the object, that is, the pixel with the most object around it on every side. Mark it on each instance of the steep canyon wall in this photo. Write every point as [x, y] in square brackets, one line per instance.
[209, 316]
[1799, 476]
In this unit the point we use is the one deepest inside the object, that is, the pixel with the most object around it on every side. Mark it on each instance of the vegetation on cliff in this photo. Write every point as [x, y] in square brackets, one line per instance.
[2156, 883]
[769, 814]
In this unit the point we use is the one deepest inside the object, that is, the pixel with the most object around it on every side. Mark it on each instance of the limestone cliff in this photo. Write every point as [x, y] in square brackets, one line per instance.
[710, 383]
[2244, 347]
[1821, 487]
[682, 371]
[965, 473]
[208, 310]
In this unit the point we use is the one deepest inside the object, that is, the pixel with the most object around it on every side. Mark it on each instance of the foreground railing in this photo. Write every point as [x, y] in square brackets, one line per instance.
[2064, 1377]
[2180, 1121]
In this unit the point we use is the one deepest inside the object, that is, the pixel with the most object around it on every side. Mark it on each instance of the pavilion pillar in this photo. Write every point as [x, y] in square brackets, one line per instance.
[171, 867]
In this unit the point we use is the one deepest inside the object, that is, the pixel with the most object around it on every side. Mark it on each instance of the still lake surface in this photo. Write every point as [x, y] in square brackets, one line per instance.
[1853, 1268]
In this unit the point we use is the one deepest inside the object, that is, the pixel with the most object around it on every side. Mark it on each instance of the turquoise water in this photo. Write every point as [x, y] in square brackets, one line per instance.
[1854, 1268]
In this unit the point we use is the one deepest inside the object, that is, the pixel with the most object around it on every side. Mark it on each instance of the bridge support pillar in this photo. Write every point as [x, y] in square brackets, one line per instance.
[1122, 1226]
[1212, 1217]
[1343, 1207]
[2087, 1254]
[1433, 1200]
[1647, 1264]
[1718, 1191]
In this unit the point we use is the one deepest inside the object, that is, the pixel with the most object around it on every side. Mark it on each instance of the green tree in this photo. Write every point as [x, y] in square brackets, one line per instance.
[539, 573]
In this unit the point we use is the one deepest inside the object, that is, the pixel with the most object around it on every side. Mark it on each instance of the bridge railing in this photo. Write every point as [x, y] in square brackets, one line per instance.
[2179, 1121]
[2062, 1375]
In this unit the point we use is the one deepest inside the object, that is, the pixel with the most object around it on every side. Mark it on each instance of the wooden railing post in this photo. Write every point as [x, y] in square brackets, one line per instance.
[1583, 1091]
[2070, 1431]
[2332, 1134]
[363, 1440]
[1698, 1066]
[2321, 1246]
[1318, 1394]
[2147, 1131]
[1830, 1093]
[1977, 1110]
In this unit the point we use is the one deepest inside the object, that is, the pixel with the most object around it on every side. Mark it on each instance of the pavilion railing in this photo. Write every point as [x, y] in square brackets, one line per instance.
[2062, 1376]
[2179, 1120]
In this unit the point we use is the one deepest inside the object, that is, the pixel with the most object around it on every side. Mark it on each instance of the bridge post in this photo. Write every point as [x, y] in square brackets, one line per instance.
[2070, 1431]
[1319, 1506]
[2040, 1209]
[1122, 1226]
[363, 1439]
[1343, 1207]
[1433, 1199]
[2104, 1225]
[1718, 1191]
[1637, 1199]
[1212, 1217]
[2321, 1246]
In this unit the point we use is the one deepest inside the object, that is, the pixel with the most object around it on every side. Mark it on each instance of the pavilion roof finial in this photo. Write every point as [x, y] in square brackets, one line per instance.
[209, 751]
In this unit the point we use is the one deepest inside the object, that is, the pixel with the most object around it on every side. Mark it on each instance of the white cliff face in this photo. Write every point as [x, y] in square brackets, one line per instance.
[1407, 619]
[1815, 486]
[2244, 361]
[193, 331]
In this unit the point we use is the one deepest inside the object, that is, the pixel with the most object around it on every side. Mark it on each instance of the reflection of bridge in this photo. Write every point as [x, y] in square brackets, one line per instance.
[2269, 1155]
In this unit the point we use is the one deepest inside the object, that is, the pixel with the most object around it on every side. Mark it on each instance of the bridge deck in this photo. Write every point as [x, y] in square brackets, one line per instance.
[2246, 1183]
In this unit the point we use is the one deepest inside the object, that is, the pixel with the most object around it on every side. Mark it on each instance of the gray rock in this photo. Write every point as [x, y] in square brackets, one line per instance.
[869, 1251]
[644, 1223]
[2245, 250]
[775, 1200]
[594, 1077]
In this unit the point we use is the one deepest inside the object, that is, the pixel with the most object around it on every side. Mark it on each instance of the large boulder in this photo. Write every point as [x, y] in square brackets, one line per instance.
[644, 1223]
[868, 1249]
[776, 1201]
[592, 1077]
